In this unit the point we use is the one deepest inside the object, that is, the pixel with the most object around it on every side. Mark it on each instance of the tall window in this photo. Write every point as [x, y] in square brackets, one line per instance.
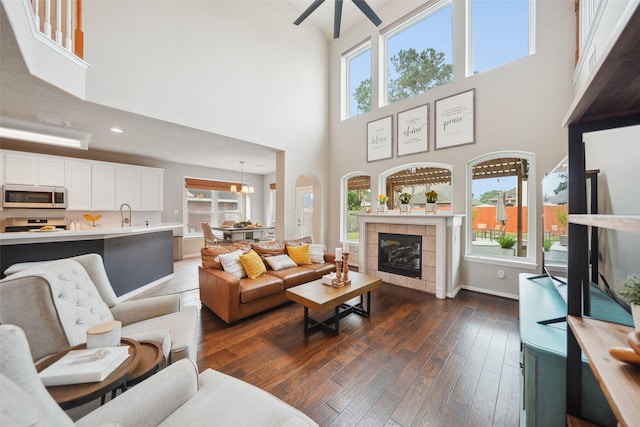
[358, 202]
[498, 33]
[501, 207]
[212, 202]
[357, 71]
[419, 53]
[417, 179]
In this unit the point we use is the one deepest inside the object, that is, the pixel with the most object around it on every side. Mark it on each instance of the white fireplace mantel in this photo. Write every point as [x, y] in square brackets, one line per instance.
[441, 257]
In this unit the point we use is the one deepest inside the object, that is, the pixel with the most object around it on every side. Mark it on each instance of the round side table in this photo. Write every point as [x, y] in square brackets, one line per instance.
[72, 395]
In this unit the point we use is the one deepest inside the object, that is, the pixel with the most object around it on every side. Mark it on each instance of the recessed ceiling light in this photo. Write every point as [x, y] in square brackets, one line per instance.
[115, 130]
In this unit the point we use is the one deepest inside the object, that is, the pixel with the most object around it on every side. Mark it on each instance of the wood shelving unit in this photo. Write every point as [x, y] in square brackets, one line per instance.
[610, 99]
[620, 382]
[630, 223]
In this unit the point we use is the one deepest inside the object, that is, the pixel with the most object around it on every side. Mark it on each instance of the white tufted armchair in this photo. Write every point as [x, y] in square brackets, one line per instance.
[56, 302]
[176, 396]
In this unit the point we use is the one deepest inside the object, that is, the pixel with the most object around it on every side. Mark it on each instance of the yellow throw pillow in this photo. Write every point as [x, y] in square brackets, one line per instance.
[299, 254]
[252, 264]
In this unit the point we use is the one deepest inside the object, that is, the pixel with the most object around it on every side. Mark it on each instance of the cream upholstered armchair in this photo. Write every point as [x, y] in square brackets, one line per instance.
[175, 396]
[56, 302]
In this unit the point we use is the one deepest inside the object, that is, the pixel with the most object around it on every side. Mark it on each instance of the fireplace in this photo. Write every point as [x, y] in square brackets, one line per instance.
[400, 254]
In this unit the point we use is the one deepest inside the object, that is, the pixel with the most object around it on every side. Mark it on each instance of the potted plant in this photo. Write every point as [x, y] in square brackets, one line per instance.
[631, 293]
[404, 198]
[382, 203]
[506, 244]
[430, 206]
[563, 220]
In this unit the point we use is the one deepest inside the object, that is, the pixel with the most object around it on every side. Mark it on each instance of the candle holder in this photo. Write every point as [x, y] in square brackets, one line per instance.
[345, 269]
[337, 282]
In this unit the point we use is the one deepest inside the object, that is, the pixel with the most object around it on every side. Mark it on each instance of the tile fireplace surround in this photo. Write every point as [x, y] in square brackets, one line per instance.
[440, 250]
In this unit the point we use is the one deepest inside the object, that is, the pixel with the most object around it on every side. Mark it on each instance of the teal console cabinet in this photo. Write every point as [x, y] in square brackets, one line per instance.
[543, 357]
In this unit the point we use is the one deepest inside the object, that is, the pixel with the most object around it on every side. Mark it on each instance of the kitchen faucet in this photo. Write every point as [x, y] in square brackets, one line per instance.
[124, 220]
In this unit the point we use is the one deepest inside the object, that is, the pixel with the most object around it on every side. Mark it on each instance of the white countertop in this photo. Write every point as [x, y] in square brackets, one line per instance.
[25, 237]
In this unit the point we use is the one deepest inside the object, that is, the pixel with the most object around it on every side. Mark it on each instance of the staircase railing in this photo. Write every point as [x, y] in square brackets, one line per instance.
[587, 15]
[61, 22]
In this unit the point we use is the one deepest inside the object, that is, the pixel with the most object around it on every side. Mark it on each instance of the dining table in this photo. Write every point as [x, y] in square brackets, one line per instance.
[255, 233]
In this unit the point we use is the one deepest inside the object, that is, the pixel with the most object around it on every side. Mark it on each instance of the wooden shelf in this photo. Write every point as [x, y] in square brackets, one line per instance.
[620, 382]
[612, 222]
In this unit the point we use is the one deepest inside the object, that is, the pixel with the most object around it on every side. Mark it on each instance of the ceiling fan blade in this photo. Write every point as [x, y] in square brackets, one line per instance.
[337, 19]
[364, 7]
[308, 12]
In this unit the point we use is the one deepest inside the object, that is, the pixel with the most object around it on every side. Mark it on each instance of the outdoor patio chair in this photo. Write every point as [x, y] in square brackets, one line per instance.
[498, 231]
[482, 228]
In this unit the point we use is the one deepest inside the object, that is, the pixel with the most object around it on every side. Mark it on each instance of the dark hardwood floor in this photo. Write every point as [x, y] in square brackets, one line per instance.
[418, 361]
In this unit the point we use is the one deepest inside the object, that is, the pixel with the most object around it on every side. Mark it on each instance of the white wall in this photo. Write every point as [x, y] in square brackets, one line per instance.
[234, 68]
[616, 154]
[519, 106]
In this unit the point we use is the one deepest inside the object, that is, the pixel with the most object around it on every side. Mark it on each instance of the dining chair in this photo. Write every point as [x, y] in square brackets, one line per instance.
[210, 237]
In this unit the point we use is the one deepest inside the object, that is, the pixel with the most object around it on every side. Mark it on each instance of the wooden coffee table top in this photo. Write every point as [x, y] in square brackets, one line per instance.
[318, 296]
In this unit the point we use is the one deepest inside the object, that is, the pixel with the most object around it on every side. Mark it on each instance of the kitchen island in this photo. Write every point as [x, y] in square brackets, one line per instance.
[134, 257]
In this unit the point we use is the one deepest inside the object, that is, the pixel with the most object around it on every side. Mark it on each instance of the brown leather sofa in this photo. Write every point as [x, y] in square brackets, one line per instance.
[233, 299]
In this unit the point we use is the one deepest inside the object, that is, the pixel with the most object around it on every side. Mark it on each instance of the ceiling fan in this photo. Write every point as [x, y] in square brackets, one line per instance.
[361, 4]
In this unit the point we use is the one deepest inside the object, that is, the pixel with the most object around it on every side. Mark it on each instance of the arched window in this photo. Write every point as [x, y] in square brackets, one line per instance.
[356, 200]
[501, 207]
[417, 179]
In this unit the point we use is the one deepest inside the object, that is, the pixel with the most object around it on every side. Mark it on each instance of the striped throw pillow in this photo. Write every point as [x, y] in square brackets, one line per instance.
[299, 254]
[252, 264]
[231, 263]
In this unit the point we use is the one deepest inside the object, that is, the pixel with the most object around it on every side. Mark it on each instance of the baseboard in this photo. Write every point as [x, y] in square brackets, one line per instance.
[146, 287]
[490, 292]
[454, 293]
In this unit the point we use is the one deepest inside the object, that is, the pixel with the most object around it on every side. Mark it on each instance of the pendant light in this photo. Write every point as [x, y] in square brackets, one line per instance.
[244, 188]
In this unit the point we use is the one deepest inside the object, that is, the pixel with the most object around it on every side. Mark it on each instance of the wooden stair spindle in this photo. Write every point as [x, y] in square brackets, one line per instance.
[78, 34]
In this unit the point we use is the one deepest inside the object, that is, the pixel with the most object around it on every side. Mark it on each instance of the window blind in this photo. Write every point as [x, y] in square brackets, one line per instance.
[207, 184]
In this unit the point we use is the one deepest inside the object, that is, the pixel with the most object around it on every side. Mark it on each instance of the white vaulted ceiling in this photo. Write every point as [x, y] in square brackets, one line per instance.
[25, 97]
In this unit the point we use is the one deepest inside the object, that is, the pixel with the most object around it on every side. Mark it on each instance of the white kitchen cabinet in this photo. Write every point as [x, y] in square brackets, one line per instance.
[20, 168]
[78, 180]
[103, 186]
[32, 169]
[91, 185]
[128, 186]
[1, 177]
[151, 189]
[51, 171]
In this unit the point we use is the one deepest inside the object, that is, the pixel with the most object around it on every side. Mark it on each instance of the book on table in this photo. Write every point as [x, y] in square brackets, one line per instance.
[84, 366]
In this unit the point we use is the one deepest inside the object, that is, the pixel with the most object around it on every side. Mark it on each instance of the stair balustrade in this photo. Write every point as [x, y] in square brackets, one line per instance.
[61, 22]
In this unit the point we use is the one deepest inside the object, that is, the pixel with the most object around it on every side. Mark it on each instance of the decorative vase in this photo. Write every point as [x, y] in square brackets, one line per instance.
[404, 207]
[635, 312]
[430, 208]
[382, 208]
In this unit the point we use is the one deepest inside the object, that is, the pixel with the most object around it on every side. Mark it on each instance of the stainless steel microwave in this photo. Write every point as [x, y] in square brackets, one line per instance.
[26, 196]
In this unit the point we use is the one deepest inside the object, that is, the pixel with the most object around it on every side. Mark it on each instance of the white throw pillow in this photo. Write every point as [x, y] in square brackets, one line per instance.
[231, 263]
[316, 252]
[279, 262]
